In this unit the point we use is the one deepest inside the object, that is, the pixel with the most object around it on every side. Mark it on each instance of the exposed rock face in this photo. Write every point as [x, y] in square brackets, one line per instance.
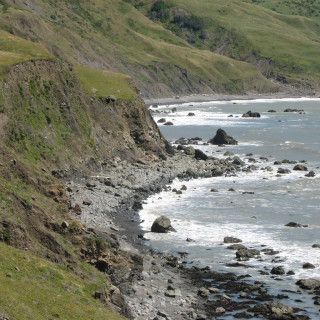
[221, 137]
[251, 114]
[162, 225]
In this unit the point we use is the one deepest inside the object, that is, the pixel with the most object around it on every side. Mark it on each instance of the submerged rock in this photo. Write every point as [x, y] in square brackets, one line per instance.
[162, 225]
[221, 138]
[296, 225]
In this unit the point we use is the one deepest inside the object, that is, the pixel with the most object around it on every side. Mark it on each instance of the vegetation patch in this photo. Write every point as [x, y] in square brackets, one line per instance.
[33, 288]
[102, 83]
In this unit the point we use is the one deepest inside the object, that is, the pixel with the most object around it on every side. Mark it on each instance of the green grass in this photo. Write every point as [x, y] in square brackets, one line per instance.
[14, 50]
[33, 288]
[102, 83]
[112, 34]
[308, 8]
[249, 32]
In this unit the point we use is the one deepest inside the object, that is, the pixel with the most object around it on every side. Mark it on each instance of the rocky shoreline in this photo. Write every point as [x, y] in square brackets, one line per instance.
[159, 286]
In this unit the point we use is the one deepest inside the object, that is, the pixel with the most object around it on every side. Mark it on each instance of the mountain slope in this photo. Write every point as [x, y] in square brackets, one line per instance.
[113, 35]
[282, 47]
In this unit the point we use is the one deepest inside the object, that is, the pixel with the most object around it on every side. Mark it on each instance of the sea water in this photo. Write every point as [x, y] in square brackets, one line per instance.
[258, 219]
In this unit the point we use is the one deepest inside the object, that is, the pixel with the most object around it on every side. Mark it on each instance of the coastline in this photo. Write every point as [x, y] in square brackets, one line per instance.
[116, 195]
[198, 98]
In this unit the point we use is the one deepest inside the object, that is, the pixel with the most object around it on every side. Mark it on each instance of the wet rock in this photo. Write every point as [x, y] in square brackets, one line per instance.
[309, 284]
[283, 171]
[220, 310]
[246, 254]
[200, 155]
[162, 225]
[183, 188]
[237, 161]
[310, 174]
[236, 247]
[293, 110]
[251, 114]
[191, 114]
[316, 245]
[189, 150]
[162, 120]
[231, 240]
[232, 190]
[279, 309]
[272, 111]
[203, 292]
[228, 154]
[169, 123]
[290, 273]
[296, 225]
[270, 252]
[279, 270]
[300, 167]
[221, 138]
[190, 240]
[214, 190]
[308, 265]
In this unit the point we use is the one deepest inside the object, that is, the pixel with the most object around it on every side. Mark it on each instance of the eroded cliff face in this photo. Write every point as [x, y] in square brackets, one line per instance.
[49, 127]
[49, 118]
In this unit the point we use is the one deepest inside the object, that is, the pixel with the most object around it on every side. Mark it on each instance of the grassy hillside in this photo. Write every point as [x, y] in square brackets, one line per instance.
[35, 289]
[283, 47]
[114, 35]
[307, 8]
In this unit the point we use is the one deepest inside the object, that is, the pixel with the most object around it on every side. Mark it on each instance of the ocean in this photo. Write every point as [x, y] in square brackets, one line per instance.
[258, 219]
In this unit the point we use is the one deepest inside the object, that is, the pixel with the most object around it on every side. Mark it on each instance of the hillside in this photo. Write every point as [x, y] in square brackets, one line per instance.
[307, 8]
[114, 35]
[283, 47]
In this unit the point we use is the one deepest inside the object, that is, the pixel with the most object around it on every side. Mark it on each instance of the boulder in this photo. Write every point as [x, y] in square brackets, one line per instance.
[296, 225]
[221, 138]
[310, 174]
[162, 120]
[309, 284]
[283, 171]
[300, 167]
[190, 151]
[308, 265]
[231, 240]
[280, 310]
[279, 270]
[251, 114]
[316, 245]
[203, 292]
[200, 155]
[293, 110]
[162, 225]
[169, 123]
[236, 246]
[246, 254]
[191, 114]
